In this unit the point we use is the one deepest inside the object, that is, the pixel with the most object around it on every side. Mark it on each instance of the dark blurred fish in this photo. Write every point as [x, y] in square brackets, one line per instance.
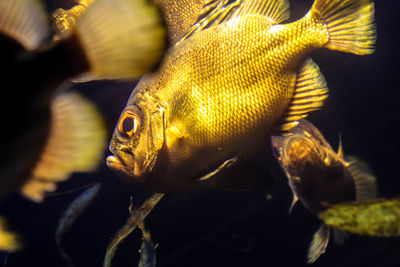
[235, 77]
[50, 133]
[74, 210]
[378, 217]
[319, 177]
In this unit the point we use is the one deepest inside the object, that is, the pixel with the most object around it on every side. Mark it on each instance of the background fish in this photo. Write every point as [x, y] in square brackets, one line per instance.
[74, 210]
[49, 133]
[378, 217]
[319, 177]
[224, 88]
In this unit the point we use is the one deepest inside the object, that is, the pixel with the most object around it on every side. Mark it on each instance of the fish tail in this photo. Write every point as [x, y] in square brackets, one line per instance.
[26, 21]
[76, 144]
[350, 24]
[121, 38]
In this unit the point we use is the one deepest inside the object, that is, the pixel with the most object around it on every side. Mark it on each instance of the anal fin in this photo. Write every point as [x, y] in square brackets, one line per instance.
[310, 93]
[319, 243]
[75, 144]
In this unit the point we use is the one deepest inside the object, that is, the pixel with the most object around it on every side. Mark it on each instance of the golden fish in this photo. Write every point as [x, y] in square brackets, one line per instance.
[319, 177]
[51, 133]
[379, 217]
[233, 79]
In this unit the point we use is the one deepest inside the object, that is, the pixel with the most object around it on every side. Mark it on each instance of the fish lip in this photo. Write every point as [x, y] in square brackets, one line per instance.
[120, 160]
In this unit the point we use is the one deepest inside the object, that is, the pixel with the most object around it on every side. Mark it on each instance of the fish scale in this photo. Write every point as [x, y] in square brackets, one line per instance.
[251, 94]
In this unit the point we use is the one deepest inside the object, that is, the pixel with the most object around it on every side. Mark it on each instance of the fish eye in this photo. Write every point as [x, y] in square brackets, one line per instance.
[128, 124]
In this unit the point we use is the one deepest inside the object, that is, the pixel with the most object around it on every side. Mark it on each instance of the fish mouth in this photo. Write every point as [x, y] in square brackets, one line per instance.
[125, 163]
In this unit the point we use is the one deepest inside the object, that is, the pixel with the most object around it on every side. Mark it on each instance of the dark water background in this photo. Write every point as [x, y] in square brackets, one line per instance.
[241, 228]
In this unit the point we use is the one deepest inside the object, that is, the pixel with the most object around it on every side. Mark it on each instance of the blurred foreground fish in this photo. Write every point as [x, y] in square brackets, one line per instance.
[319, 177]
[50, 133]
[235, 77]
[9, 241]
[74, 210]
[379, 217]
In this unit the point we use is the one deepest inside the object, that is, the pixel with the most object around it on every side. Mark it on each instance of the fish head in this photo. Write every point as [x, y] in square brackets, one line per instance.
[304, 152]
[138, 138]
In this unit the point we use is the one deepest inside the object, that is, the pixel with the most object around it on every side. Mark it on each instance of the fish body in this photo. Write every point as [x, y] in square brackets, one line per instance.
[50, 132]
[223, 89]
[356, 217]
[319, 177]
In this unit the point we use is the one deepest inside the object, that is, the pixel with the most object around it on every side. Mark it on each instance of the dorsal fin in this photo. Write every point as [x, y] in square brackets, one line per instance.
[213, 13]
[217, 11]
[26, 21]
[340, 148]
[275, 10]
[309, 95]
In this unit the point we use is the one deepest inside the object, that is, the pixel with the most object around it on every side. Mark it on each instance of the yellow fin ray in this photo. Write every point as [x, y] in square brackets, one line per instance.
[25, 21]
[276, 10]
[350, 24]
[75, 144]
[310, 93]
[319, 243]
[9, 241]
[213, 12]
[122, 38]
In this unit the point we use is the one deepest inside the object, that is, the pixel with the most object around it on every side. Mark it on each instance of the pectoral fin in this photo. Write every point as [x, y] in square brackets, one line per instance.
[75, 144]
[310, 93]
[220, 168]
[364, 179]
[294, 201]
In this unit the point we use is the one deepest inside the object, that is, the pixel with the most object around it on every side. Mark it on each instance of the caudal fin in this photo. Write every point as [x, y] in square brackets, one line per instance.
[350, 24]
[122, 38]
[76, 144]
